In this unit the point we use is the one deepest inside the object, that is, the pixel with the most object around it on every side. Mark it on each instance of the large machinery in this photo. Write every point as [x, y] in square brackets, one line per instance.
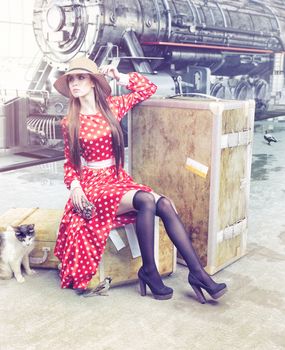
[227, 49]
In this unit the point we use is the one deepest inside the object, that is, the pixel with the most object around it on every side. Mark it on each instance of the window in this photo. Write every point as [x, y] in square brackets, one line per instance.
[19, 53]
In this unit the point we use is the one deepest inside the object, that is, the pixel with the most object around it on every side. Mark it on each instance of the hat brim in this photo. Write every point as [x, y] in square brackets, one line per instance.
[61, 84]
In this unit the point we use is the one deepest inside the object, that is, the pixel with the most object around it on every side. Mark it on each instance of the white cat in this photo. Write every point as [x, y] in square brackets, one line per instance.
[15, 246]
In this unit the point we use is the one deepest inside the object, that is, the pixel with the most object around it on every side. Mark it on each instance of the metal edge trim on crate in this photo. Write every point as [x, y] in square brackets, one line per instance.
[215, 186]
[251, 112]
[195, 104]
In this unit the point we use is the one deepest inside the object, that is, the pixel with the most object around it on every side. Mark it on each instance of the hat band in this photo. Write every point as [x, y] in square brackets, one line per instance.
[87, 70]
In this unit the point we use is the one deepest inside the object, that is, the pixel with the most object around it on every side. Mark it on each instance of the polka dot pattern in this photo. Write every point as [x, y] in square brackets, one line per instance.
[81, 243]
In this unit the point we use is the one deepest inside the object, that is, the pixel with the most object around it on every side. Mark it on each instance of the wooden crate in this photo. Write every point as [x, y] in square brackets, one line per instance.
[119, 264]
[198, 153]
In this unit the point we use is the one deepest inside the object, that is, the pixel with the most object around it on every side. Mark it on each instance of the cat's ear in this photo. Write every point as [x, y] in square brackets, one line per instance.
[32, 226]
[13, 229]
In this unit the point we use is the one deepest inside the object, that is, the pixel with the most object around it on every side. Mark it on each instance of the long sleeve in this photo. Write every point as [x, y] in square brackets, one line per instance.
[142, 88]
[70, 174]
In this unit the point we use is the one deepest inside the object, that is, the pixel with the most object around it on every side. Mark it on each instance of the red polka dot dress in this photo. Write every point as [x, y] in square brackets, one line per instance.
[81, 243]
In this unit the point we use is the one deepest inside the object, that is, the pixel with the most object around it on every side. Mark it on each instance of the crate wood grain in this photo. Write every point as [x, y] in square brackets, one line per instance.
[212, 193]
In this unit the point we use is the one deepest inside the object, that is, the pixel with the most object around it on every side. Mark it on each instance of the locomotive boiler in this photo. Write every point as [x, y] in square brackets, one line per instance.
[227, 49]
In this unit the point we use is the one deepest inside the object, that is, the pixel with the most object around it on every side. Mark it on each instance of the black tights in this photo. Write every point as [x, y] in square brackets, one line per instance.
[144, 203]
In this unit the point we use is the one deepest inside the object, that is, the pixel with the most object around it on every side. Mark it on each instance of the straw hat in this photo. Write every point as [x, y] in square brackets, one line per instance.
[81, 65]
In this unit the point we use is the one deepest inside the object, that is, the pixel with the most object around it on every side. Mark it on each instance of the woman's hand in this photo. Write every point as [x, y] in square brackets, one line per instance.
[78, 198]
[110, 71]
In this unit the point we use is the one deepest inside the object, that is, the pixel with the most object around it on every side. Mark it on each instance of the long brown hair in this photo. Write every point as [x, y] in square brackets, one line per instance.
[74, 125]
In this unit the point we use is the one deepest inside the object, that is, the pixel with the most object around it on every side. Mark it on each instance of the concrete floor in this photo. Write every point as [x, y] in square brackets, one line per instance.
[39, 315]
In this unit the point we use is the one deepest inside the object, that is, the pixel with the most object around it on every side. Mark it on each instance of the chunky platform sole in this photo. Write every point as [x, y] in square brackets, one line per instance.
[198, 286]
[156, 296]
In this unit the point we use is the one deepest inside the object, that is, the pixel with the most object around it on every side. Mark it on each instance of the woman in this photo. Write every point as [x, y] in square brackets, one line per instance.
[91, 130]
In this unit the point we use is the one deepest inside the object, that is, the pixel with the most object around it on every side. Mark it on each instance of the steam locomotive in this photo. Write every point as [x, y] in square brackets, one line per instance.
[227, 49]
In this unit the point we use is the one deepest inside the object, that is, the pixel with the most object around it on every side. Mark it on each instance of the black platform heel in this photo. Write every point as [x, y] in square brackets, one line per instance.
[163, 293]
[216, 292]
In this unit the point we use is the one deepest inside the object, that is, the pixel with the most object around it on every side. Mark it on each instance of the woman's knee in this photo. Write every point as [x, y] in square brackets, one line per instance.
[164, 207]
[144, 200]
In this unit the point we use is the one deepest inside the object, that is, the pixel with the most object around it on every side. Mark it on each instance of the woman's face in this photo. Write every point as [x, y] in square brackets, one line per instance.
[80, 85]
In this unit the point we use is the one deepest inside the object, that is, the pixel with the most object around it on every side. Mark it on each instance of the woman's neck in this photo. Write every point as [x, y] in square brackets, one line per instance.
[88, 105]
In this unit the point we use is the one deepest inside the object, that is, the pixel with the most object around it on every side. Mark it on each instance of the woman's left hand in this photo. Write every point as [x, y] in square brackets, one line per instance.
[110, 71]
